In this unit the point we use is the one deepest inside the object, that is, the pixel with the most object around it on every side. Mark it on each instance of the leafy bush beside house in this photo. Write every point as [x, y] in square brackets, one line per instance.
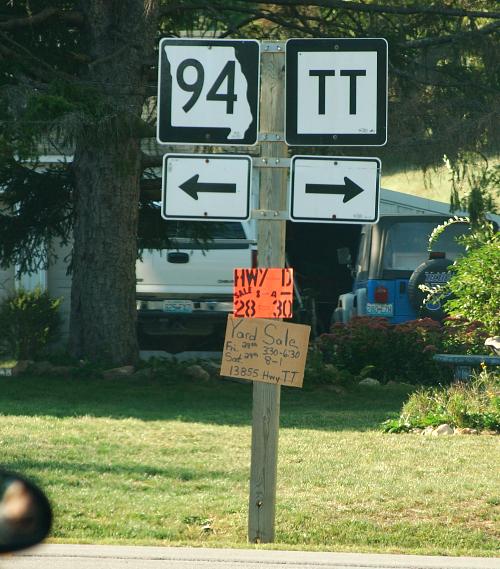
[29, 320]
[475, 285]
[462, 336]
[473, 291]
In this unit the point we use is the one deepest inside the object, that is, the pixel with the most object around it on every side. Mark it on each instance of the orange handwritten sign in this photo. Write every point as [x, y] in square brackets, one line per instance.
[263, 293]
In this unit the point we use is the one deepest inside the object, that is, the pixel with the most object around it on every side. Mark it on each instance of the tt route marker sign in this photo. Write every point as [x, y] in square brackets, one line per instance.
[335, 189]
[208, 91]
[206, 186]
[336, 92]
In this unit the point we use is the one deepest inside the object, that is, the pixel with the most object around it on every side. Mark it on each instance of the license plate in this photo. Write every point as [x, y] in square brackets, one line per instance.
[375, 309]
[178, 306]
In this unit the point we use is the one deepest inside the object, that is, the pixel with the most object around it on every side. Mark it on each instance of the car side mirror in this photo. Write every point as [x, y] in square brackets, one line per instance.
[344, 256]
[25, 513]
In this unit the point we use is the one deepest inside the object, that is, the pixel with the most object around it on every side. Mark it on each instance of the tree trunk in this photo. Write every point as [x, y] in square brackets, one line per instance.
[107, 173]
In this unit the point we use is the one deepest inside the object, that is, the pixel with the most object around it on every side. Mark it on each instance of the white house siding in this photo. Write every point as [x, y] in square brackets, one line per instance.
[32, 281]
[59, 285]
[6, 282]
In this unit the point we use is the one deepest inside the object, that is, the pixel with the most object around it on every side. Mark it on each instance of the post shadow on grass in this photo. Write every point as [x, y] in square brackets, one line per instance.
[136, 471]
[213, 402]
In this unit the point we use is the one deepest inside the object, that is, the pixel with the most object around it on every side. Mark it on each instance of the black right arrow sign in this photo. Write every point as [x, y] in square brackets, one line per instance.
[349, 189]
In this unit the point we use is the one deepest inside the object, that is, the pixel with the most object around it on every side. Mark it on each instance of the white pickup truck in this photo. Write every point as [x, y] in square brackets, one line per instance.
[185, 292]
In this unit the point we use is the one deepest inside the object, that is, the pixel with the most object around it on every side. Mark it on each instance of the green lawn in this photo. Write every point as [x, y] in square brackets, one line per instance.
[165, 461]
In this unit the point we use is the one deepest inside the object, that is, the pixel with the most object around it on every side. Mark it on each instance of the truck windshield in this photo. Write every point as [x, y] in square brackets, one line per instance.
[406, 244]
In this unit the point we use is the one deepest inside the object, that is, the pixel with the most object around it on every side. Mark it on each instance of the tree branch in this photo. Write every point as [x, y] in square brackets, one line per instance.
[349, 6]
[74, 18]
[426, 42]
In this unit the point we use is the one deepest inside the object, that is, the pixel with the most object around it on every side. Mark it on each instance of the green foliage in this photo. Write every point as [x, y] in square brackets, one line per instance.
[440, 229]
[319, 370]
[401, 352]
[472, 294]
[36, 214]
[462, 336]
[475, 285]
[475, 186]
[29, 320]
[472, 405]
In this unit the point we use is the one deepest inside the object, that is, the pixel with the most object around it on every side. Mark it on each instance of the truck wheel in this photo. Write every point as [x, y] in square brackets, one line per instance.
[431, 273]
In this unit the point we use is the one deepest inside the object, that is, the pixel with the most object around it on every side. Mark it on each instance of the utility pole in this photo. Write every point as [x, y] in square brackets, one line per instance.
[273, 167]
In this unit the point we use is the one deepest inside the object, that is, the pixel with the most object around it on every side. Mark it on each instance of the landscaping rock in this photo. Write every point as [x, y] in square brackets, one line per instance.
[442, 430]
[338, 389]
[40, 368]
[197, 372]
[490, 432]
[370, 382]
[123, 371]
[213, 368]
[21, 366]
[61, 371]
[465, 431]
[428, 430]
[144, 373]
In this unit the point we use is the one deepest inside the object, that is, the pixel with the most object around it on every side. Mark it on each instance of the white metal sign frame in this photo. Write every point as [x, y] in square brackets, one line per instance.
[211, 187]
[335, 189]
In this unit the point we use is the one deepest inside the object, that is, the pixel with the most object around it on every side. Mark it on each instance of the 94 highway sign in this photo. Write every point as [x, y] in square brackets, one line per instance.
[208, 91]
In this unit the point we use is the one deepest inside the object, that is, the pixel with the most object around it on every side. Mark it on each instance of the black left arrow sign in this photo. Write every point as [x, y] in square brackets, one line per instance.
[192, 187]
[349, 189]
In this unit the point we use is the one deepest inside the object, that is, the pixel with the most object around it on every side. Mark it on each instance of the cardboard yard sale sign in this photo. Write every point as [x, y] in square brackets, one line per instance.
[269, 351]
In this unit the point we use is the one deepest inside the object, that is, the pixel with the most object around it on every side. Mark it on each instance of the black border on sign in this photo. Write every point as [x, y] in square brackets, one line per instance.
[293, 46]
[349, 220]
[248, 55]
[211, 157]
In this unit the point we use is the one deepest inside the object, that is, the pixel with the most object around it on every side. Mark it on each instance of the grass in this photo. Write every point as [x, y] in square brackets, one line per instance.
[165, 461]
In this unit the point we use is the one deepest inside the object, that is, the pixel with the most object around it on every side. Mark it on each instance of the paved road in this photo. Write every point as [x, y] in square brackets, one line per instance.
[111, 557]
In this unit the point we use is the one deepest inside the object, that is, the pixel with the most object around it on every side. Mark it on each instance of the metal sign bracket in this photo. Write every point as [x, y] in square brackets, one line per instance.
[270, 214]
[270, 162]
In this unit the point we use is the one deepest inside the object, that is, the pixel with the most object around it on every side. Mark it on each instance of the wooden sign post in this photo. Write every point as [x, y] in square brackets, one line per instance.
[271, 248]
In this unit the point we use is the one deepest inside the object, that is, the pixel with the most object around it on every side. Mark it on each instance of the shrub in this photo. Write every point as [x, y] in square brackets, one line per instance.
[475, 286]
[464, 337]
[320, 370]
[362, 342]
[29, 320]
[401, 352]
[473, 291]
[474, 405]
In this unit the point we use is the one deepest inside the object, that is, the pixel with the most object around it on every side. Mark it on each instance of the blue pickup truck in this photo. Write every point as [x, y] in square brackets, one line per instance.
[393, 261]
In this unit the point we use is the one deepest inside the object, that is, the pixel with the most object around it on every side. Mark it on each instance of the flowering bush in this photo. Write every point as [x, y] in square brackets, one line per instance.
[400, 352]
[464, 337]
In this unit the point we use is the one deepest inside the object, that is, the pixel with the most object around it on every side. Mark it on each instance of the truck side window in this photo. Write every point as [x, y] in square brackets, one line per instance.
[363, 257]
[406, 245]
[211, 229]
